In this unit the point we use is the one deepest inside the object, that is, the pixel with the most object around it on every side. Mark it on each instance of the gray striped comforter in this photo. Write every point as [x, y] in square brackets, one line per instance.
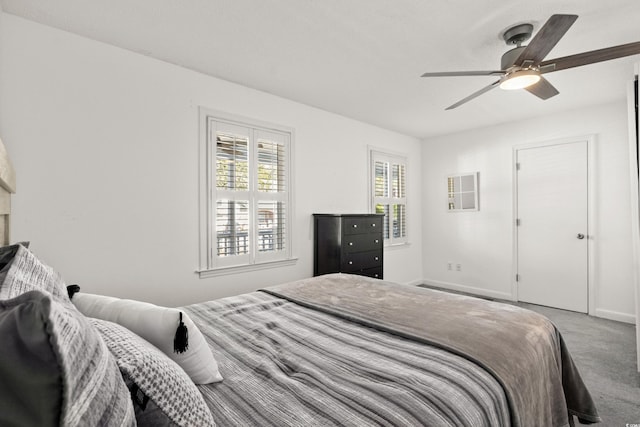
[522, 349]
[287, 365]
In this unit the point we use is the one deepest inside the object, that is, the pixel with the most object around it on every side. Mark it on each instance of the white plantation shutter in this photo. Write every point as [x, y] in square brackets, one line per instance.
[232, 227]
[230, 182]
[399, 197]
[388, 182]
[248, 195]
[272, 194]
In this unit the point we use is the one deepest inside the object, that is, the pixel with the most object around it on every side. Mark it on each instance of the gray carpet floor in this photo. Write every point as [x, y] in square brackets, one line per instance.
[605, 353]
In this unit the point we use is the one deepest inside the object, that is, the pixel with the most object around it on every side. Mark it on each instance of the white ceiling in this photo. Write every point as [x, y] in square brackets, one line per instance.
[362, 58]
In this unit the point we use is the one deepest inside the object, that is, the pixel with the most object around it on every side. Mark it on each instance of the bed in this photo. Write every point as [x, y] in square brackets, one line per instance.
[333, 350]
[338, 349]
[349, 350]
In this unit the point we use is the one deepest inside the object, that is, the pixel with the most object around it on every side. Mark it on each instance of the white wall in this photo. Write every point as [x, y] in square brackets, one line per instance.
[482, 241]
[105, 145]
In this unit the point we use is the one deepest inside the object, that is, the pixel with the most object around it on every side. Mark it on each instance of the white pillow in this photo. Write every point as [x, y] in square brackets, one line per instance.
[157, 325]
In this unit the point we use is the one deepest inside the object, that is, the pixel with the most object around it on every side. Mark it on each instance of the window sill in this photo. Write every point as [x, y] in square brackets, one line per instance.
[214, 272]
[397, 245]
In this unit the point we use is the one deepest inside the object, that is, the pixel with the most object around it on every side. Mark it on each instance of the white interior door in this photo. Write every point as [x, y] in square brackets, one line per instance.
[552, 213]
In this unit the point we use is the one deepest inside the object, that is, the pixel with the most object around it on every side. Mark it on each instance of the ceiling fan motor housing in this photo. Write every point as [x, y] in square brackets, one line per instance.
[510, 56]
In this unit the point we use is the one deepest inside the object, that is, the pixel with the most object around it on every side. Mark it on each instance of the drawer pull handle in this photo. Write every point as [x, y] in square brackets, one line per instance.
[355, 225]
[376, 258]
[373, 225]
[350, 262]
[377, 240]
[375, 275]
[350, 243]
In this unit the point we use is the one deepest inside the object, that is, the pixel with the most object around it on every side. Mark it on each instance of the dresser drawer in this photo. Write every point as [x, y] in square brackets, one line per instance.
[376, 272]
[361, 242]
[362, 225]
[361, 260]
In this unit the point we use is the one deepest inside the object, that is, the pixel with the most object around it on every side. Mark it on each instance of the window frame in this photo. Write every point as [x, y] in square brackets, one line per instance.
[210, 264]
[461, 192]
[377, 154]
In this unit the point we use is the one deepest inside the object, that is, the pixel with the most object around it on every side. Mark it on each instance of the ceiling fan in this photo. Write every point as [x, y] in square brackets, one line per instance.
[523, 66]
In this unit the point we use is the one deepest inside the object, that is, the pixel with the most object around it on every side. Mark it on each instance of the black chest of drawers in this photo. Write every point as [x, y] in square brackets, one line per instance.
[348, 244]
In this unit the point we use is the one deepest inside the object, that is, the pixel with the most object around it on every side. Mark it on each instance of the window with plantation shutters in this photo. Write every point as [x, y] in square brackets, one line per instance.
[246, 218]
[388, 186]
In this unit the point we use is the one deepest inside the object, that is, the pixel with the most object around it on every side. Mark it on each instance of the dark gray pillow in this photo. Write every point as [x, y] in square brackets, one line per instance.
[63, 373]
[6, 256]
[30, 379]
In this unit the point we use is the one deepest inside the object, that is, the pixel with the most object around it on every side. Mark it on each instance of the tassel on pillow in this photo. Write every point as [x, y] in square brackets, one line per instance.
[181, 339]
[72, 290]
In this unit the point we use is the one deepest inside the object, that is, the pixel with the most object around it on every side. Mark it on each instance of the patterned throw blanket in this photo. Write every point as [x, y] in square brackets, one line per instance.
[521, 349]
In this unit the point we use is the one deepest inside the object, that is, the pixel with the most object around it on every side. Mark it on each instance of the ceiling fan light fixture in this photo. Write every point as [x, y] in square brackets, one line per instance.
[520, 79]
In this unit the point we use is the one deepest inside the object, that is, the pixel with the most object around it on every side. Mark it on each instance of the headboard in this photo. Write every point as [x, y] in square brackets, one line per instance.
[7, 187]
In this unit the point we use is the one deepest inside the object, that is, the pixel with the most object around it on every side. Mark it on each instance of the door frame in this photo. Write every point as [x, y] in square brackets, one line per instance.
[591, 160]
[635, 207]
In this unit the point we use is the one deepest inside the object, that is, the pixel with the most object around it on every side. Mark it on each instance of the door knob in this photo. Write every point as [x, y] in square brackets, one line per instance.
[580, 236]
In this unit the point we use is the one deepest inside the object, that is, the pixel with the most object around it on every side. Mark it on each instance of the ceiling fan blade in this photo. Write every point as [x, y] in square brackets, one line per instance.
[547, 37]
[474, 95]
[591, 57]
[464, 73]
[543, 89]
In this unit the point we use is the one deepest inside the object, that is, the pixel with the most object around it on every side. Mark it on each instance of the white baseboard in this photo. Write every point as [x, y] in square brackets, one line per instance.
[615, 315]
[605, 314]
[468, 289]
[415, 282]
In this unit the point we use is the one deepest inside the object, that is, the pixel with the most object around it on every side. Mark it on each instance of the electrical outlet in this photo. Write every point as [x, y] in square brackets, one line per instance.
[449, 266]
[458, 267]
